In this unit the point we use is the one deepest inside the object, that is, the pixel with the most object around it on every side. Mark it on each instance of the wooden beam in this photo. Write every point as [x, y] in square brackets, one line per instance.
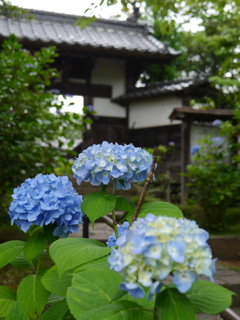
[82, 89]
[185, 157]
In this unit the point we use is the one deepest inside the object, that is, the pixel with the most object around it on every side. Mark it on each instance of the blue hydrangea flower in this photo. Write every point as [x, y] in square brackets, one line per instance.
[47, 199]
[216, 123]
[194, 149]
[134, 290]
[153, 247]
[217, 141]
[102, 162]
[121, 230]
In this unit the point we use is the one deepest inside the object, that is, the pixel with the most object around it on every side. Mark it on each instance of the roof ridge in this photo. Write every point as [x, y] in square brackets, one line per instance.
[167, 83]
[66, 16]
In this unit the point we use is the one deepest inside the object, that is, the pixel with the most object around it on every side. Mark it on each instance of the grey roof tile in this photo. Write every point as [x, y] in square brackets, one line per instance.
[161, 88]
[58, 28]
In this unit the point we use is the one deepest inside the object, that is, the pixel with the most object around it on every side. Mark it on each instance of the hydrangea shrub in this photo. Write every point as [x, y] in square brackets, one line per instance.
[89, 280]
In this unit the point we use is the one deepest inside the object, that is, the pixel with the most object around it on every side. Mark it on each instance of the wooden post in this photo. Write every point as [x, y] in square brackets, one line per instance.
[185, 157]
[85, 227]
[168, 189]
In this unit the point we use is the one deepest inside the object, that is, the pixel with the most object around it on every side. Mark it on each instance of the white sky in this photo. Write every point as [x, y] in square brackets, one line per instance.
[76, 7]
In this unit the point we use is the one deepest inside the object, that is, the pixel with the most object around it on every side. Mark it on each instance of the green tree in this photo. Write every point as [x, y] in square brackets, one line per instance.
[27, 126]
[212, 51]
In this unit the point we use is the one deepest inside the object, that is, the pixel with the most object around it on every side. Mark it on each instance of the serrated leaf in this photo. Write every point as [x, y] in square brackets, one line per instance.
[56, 312]
[93, 288]
[52, 299]
[209, 297]
[9, 251]
[126, 310]
[17, 314]
[124, 204]
[171, 304]
[72, 252]
[98, 204]
[35, 245]
[98, 263]
[21, 262]
[7, 301]
[143, 302]
[31, 295]
[158, 209]
[53, 284]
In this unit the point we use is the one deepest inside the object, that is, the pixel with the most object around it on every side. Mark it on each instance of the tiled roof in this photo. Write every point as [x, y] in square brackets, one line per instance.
[60, 29]
[200, 114]
[165, 87]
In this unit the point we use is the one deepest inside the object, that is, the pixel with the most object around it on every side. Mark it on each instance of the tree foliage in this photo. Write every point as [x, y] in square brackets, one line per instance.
[211, 51]
[27, 126]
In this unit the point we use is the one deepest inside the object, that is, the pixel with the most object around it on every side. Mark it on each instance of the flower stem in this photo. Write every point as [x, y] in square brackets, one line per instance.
[113, 211]
[146, 186]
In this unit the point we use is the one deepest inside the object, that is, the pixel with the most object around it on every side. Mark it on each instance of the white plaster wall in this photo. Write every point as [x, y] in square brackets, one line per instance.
[153, 112]
[109, 72]
[198, 132]
[105, 108]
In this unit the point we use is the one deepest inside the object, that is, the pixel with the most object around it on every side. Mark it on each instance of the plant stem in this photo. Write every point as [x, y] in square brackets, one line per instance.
[38, 263]
[113, 211]
[108, 221]
[146, 186]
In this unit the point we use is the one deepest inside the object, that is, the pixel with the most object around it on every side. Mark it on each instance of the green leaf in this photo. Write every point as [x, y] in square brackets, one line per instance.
[9, 251]
[158, 209]
[48, 231]
[54, 299]
[209, 297]
[7, 301]
[35, 245]
[93, 288]
[143, 302]
[126, 310]
[31, 295]
[56, 312]
[171, 304]
[70, 143]
[124, 204]
[21, 262]
[17, 314]
[72, 252]
[98, 204]
[98, 263]
[53, 284]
